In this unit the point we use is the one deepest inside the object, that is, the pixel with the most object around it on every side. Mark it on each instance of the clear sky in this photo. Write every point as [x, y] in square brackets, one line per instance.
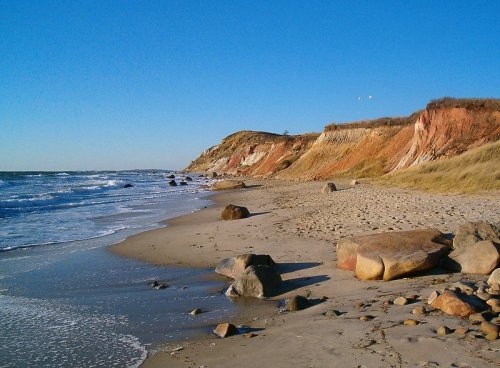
[150, 84]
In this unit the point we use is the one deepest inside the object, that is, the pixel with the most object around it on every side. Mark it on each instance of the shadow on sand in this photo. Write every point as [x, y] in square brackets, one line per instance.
[291, 267]
[296, 283]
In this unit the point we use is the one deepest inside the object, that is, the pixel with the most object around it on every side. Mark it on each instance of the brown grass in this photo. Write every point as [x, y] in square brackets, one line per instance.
[491, 104]
[374, 123]
[366, 169]
[473, 171]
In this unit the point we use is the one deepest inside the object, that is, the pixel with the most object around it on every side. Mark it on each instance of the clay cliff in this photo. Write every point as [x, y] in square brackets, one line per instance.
[446, 128]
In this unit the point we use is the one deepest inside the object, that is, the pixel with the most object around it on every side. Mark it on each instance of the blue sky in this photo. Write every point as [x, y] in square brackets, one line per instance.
[150, 84]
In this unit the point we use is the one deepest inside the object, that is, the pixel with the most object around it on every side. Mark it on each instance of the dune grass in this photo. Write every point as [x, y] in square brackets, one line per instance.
[471, 172]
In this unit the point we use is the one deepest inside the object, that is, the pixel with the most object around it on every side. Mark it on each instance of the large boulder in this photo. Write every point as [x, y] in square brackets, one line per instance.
[232, 212]
[212, 175]
[458, 304]
[228, 184]
[481, 257]
[328, 188]
[233, 267]
[473, 232]
[172, 183]
[392, 255]
[256, 281]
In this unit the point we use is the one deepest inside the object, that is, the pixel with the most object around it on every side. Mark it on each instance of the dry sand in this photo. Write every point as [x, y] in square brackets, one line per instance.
[299, 226]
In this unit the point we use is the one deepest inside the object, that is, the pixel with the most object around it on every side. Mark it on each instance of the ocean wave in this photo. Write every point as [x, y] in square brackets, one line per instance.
[62, 174]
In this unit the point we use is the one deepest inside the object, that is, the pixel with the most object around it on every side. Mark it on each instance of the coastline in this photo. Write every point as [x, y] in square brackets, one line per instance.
[298, 226]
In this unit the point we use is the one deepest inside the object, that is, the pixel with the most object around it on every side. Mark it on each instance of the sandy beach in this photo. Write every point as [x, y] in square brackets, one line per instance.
[299, 227]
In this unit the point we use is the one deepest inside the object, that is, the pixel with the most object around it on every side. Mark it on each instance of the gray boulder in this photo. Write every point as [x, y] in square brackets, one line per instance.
[233, 267]
[257, 281]
[481, 257]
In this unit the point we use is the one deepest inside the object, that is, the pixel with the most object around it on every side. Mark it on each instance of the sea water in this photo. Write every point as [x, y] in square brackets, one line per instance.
[65, 301]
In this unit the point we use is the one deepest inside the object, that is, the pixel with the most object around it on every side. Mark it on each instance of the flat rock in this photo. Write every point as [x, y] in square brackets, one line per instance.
[458, 304]
[257, 281]
[392, 255]
[225, 329]
[233, 267]
[228, 184]
[479, 258]
[232, 212]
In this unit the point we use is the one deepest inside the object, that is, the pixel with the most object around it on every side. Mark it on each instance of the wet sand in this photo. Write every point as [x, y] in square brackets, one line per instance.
[299, 226]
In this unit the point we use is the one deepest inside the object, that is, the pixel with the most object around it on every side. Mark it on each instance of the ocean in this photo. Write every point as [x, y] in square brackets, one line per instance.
[65, 301]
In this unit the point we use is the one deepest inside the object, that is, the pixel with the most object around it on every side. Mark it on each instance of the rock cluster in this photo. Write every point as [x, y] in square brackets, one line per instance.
[476, 248]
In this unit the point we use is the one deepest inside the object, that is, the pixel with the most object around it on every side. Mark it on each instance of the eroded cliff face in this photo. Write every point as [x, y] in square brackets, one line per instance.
[362, 149]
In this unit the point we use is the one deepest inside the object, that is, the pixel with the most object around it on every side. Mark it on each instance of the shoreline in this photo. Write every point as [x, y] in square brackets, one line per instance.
[298, 226]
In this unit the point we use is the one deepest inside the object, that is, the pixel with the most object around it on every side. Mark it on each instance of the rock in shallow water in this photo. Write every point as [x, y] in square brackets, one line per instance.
[257, 281]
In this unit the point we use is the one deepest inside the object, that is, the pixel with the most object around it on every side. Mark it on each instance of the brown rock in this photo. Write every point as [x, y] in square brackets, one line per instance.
[228, 184]
[232, 212]
[366, 318]
[354, 182]
[477, 317]
[391, 255]
[420, 310]
[297, 303]
[494, 304]
[212, 175]
[233, 267]
[411, 322]
[443, 330]
[461, 331]
[400, 300]
[225, 329]
[491, 330]
[458, 304]
[328, 188]
[481, 257]
[257, 281]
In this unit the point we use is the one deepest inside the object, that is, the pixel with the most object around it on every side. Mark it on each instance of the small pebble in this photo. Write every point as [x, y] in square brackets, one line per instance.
[461, 331]
[443, 330]
[400, 300]
[411, 322]
[490, 329]
[366, 318]
[420, 310]
[195, 312]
